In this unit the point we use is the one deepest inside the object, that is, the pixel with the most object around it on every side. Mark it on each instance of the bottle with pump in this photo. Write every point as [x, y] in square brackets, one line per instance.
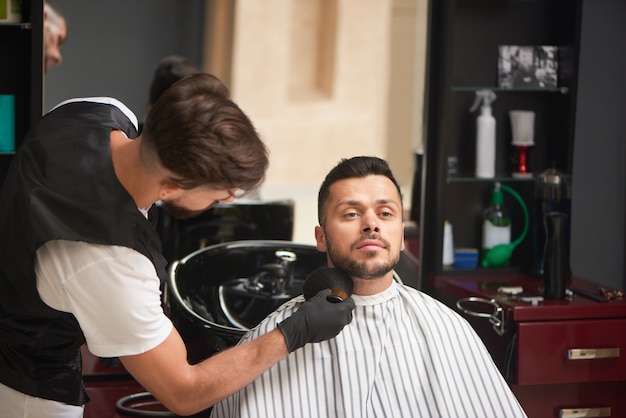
[448, 245]
[496, 223]
[485, 135]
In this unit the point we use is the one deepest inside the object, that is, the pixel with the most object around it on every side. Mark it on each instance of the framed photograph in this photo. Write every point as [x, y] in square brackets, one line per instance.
[527, 66]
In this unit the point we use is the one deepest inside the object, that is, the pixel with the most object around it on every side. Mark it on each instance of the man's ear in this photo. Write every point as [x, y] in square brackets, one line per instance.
[168, 189]
[320, 237]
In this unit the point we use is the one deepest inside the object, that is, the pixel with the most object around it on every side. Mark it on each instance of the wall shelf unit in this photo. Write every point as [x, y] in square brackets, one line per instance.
[463, 42]
[22, 74]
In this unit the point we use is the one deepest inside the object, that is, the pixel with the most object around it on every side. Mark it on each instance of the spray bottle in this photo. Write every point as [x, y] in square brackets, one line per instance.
[485, 135]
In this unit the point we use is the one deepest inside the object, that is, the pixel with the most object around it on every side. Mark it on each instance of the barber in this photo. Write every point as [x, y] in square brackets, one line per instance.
[80, 261]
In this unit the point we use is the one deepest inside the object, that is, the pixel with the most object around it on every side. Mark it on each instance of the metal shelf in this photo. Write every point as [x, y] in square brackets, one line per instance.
[559, 90]
[469, 178]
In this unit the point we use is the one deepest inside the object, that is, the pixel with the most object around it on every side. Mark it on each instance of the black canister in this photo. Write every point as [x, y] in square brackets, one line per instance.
[552, 194]
[556, 263]
[416, 192]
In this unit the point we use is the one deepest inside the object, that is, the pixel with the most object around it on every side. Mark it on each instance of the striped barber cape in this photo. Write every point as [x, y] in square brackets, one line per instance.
[404, 354]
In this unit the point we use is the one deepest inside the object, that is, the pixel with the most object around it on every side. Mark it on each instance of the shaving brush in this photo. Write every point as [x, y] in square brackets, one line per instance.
[338, 281]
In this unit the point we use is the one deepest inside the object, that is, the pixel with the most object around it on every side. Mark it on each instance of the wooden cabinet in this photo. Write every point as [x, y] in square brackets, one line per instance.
[563, 358]
[21, 70]
[584, 350]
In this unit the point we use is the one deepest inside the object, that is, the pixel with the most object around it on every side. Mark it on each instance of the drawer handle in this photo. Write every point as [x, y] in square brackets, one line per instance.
[592, 353]
[585, 412]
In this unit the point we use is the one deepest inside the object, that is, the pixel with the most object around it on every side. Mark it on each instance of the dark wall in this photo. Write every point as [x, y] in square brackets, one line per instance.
[599, 174]
[114, 46]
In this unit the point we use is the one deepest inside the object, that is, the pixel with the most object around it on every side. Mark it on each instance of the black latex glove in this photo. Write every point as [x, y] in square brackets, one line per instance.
[316, 320]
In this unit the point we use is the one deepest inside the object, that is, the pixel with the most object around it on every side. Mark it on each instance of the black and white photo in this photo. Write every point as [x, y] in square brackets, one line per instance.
[527, 66]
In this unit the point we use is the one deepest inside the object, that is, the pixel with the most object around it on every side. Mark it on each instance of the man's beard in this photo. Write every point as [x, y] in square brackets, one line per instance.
[360, 269]
[179, 212]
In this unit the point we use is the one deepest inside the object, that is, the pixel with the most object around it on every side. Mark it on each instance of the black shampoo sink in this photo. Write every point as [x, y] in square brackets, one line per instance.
[216, 294]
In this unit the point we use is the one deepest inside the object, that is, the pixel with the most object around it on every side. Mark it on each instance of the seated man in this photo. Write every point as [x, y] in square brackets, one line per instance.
[404, 354]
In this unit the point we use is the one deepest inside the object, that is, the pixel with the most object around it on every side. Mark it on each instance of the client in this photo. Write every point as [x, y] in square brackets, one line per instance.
[404, 354]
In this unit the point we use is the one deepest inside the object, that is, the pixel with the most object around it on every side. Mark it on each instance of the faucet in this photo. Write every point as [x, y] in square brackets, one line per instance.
[278, 275]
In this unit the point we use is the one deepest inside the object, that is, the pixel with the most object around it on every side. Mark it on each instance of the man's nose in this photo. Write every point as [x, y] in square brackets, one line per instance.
[370, 222]
[54, 58]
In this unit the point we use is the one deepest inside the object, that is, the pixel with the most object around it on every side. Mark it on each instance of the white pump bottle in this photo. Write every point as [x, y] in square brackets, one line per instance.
[485, 135]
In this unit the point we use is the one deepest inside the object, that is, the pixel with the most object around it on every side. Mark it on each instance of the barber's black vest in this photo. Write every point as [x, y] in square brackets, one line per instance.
[61, 185]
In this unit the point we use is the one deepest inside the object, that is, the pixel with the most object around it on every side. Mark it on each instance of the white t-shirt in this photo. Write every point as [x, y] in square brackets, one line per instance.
[113, 292]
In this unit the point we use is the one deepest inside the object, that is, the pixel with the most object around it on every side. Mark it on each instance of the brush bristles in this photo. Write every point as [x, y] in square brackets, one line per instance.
[338, 281]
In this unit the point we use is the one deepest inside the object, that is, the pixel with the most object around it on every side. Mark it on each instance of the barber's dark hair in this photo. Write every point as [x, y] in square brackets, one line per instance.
[171, 69]
[347, 168]
[203, 138]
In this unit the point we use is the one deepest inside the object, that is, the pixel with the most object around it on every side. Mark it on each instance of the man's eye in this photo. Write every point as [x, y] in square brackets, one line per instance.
[351, 215]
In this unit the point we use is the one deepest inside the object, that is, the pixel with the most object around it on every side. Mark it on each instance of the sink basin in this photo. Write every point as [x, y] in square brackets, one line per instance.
[216, 294]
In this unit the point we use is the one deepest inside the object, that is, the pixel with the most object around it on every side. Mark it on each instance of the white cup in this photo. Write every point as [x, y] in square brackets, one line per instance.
[523, 127]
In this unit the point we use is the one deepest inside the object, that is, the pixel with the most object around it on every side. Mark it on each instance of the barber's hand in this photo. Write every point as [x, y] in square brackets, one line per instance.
[316, 320]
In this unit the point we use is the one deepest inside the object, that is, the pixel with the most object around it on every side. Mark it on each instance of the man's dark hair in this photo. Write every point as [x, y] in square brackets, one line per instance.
[352, 168]
[203, 138]
[171, 69]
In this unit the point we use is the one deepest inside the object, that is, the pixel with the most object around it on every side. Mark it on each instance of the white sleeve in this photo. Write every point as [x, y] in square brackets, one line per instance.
[112, 291]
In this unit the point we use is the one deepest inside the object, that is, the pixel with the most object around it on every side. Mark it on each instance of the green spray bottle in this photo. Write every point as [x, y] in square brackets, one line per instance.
[500, 254]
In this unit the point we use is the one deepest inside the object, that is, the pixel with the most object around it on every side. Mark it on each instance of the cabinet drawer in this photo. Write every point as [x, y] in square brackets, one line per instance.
[571, 351]
[573, 400]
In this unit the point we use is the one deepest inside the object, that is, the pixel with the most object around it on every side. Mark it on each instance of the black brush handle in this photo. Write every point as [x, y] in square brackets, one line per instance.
[337, 295]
